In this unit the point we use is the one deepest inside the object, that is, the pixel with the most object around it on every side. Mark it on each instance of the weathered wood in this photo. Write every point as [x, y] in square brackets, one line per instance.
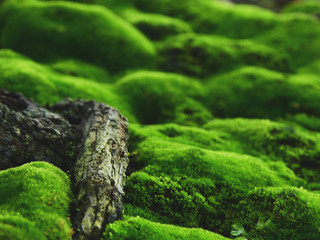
[85, 138]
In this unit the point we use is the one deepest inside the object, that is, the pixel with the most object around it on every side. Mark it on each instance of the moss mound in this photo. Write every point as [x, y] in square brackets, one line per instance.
[259, 93]
[35, 201]
[139, 229]
[155, 26]
[161, 97]
[201, 55]
[47, 31]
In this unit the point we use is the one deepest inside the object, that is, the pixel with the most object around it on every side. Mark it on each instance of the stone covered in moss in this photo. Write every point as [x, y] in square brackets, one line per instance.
[47, 31]
[141, 229]
[35, 202]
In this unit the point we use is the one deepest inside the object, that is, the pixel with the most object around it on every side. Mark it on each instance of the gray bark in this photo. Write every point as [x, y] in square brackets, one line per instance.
[85, 138]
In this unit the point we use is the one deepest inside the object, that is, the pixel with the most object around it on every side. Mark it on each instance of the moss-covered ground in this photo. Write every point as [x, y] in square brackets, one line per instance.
[223, 103]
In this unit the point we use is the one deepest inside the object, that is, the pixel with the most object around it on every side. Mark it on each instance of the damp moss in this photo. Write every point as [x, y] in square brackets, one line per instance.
[139, 229]
[159, 97]
[202, 55]
[53, 30]
[35, 194]
[259, 93]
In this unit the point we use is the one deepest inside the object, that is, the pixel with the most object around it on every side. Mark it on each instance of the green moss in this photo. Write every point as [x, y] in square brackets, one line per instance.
[296, 35]
[309, 7]
[259, 93]
[140, 229]
[81, 69]
[162, 97]
[201, 55]
[19, 228]
[49, 30]
[214, 17]
[39, 82]
[280, 213]
[268, 140]
[156, 26]
[191, 186]
[40, 193]
[306, 121]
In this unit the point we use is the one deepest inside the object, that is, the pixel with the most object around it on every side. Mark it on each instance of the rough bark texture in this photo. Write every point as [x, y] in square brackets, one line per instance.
[86, 138]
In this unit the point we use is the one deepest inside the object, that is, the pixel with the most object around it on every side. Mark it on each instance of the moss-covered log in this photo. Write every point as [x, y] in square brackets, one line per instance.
[86, 138]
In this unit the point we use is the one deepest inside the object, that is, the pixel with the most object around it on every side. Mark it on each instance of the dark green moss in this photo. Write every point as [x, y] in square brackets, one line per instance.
[202, 55]
[50, 30]
[156, 26]
[259, 93]
[163, 97]
[279, 213]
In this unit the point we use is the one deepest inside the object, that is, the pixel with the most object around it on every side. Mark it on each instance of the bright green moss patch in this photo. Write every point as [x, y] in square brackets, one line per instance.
[191, 186]
[141, 229]
[156, 26]
[201, 55]
[259, 93]
[19, 228]
[50, 30]
[163, 97]
[40, 193]
[268, 140]
[39, 82]
[279, 213]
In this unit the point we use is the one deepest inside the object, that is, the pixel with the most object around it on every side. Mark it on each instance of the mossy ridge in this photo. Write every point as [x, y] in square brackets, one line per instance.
[159, 97]
[156, 26]
[42, 84]
[202, 55]
[40, 193]
[48, 31]
[279, 213]
[139, 229]
[255, 92]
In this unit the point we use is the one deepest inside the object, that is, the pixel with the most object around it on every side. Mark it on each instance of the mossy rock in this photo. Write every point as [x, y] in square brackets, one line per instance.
[139, 229]
[42, 84]
[279, 213]
[155, 26]
[40, 193]
[259, 93]
[47, 31]
[202, 55]
[164, 97]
